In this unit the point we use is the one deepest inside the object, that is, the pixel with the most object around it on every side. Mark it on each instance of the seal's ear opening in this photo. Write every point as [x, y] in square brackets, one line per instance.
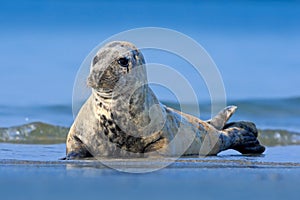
[95, 60]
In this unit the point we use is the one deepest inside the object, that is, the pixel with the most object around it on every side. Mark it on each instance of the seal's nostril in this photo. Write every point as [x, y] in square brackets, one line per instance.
[90, 81]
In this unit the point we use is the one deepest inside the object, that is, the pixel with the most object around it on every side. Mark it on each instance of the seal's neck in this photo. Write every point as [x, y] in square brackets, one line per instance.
[130, 102]
[133, 111]
[102, 100]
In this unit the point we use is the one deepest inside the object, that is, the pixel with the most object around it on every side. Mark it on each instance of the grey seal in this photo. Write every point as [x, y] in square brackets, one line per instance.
[124, 118]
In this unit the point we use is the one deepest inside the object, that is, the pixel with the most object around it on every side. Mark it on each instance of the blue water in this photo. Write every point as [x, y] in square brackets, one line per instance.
[255, 44]
[62, 182]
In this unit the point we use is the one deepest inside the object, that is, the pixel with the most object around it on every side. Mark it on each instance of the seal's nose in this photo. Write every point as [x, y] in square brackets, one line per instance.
[92, 80]
[95, 78]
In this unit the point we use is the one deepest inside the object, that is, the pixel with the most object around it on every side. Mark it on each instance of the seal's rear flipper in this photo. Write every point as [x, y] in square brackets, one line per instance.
[222, 117]
[243, 137]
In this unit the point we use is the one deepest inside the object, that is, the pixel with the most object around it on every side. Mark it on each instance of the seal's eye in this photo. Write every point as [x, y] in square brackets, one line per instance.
[124, 62]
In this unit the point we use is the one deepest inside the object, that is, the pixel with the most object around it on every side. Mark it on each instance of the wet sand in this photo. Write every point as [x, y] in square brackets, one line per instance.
[227, 176]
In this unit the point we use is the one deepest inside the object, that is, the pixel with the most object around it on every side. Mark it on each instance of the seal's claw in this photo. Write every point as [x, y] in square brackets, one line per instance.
[257, 149]
[243, 137]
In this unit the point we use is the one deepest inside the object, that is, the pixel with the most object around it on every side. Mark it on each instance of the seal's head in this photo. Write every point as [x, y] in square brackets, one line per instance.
[112, 62]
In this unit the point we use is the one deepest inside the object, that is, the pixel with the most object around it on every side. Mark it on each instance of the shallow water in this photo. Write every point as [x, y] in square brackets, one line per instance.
[49, 153]
[59, 182]
[35, 172]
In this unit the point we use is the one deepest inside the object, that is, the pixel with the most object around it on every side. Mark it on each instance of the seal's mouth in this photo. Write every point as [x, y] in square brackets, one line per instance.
[103, 81]
[92, 80]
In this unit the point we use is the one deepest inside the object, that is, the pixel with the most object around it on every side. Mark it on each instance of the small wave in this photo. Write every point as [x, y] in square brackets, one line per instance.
[42, 133]
[270, 137]
[34, 133]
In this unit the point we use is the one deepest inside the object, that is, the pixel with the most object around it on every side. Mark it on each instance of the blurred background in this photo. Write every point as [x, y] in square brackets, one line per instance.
[254, 43]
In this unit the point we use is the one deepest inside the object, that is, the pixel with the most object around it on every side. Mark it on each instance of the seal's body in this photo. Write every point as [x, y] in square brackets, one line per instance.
[123, 117]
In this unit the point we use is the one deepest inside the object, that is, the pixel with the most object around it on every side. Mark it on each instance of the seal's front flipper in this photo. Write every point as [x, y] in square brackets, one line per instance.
[242, 137]
[77, 155]
[222, 117]
[76, 149]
